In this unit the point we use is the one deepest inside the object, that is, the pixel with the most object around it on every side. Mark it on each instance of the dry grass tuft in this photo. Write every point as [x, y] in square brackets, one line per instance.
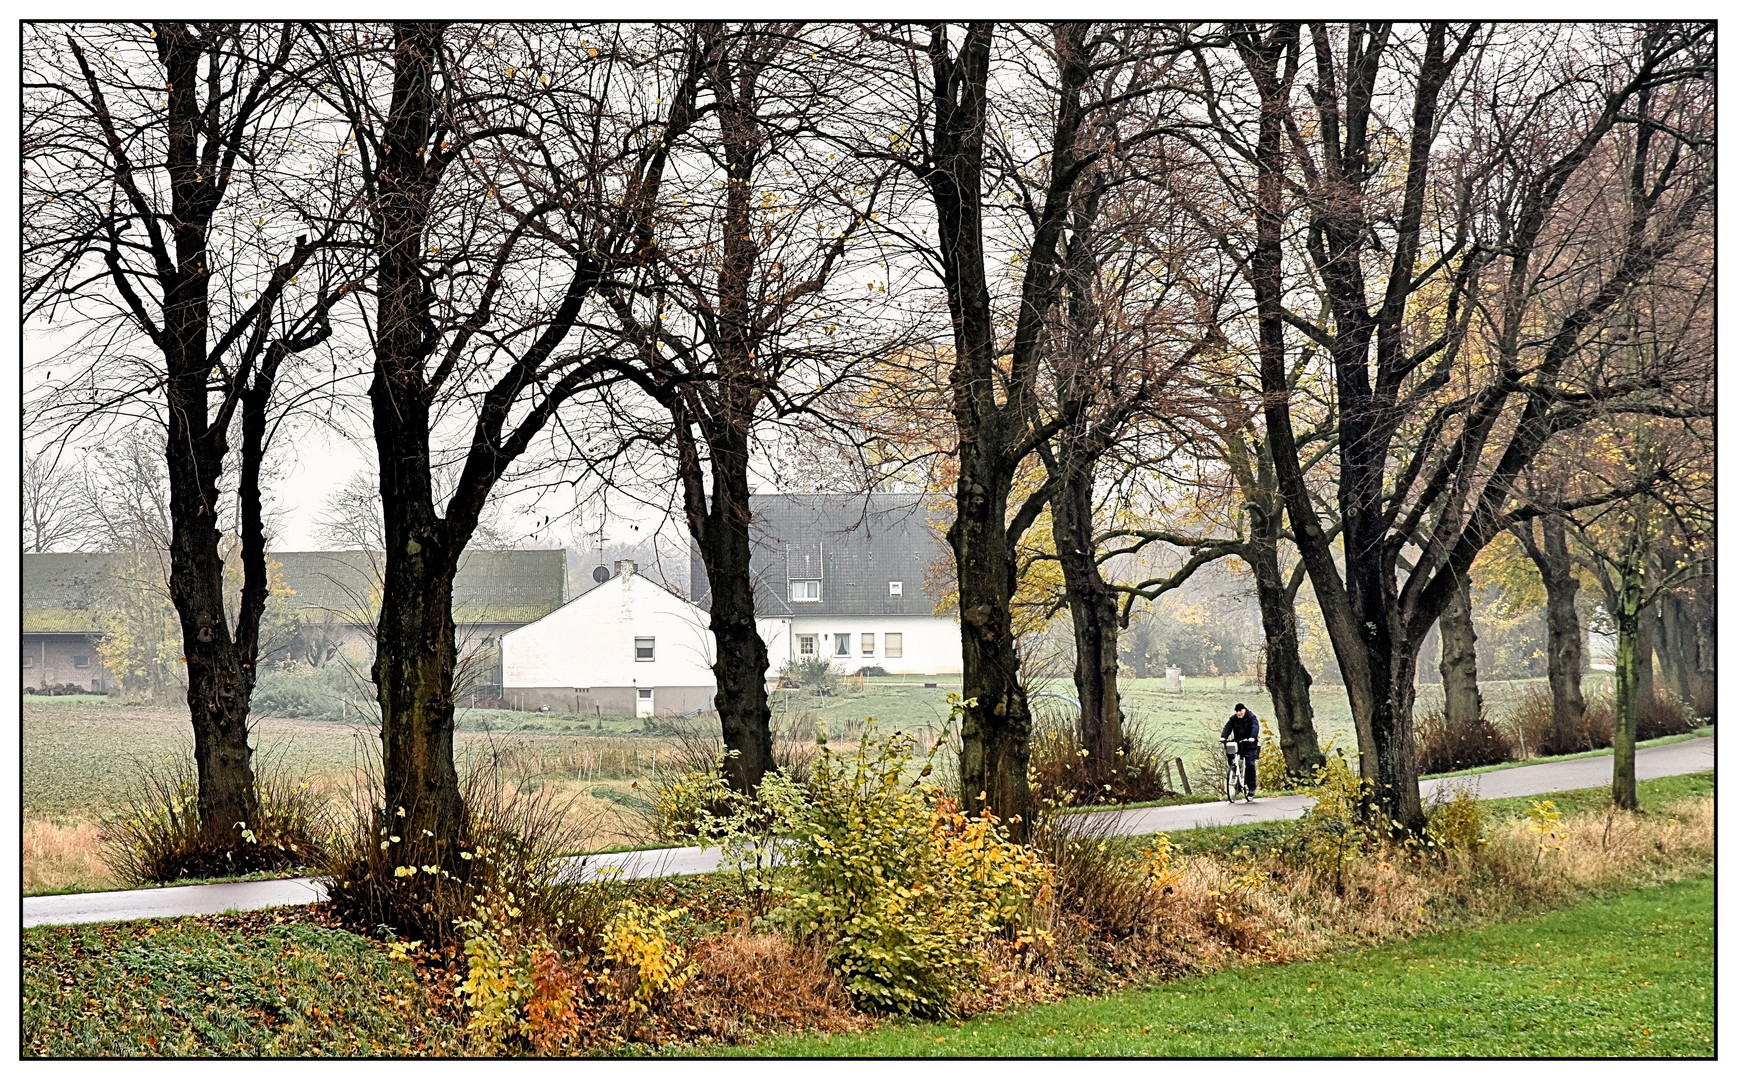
[57, 857]
[750, 984]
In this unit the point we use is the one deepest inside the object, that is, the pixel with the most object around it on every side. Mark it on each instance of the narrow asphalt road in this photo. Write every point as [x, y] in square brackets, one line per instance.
[1690, 756]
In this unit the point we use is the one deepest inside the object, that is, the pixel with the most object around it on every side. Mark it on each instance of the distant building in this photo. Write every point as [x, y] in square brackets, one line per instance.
[842, 577]
[626, 647]
[838, 577]
[330, 597]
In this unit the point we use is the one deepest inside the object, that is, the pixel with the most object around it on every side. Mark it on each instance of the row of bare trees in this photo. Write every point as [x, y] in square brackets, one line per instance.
[1341, 291]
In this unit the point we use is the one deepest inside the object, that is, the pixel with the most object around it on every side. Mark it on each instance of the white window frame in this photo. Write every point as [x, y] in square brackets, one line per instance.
[838, 640]
[649, 644]
[894, 646]
[895, 588]
[805, 645]
[805, 590]
[867, 645]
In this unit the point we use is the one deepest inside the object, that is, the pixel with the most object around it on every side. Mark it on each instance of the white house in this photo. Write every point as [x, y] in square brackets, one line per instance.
[835, 576]
[842, 576]
[628, 647]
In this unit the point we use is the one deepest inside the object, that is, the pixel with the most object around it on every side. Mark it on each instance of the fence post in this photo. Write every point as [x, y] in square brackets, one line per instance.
[1167, 785]
[1183, 772]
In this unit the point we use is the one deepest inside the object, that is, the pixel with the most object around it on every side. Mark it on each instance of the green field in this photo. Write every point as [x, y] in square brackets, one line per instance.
[1627, 975]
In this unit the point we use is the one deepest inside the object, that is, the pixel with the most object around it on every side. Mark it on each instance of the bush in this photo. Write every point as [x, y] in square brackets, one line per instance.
[514, 844]
[902, 886]
[155, 837]
[1335, 831]
[1062, 773]
[1457, 824]
[813, 673]
[520, 995]
[1532, 719]
[873, 671]
[691, 795]
[1664, 715]
[1444, 747]
[331, 692]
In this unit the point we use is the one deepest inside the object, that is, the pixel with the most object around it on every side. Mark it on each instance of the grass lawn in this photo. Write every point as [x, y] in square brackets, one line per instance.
[1627, 975]
[229, 986]
[1656, 792]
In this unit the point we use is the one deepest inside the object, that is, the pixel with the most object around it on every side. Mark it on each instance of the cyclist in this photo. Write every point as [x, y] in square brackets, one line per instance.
[1245, 727]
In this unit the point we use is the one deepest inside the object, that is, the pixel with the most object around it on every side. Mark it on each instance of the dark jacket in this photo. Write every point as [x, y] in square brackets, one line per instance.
[1246, 729]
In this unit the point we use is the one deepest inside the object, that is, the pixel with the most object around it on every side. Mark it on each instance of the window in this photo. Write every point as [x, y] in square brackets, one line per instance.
[895, 646]
[29, 661]
[805, 590]
[868, 644]
[644, 648]
[841, 644]
[895, 588]
[804, 645]
[81, 661]
[645, 693]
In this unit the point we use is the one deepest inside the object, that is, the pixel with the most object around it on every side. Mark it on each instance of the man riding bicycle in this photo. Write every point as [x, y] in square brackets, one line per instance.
[1245, 728]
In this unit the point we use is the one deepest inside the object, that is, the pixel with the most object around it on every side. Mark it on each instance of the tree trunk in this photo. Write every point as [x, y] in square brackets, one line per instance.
[1092, 604]
[1622, 784]
[416, 651]
[1462, 705]
[1288, 681]
[1646, 636]
[1676, 647]
[995, 733]
[1562, 626]
[721, 534]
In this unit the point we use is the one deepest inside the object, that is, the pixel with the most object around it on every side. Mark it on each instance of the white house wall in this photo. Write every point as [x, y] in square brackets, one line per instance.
[581, 656]
[931, 645]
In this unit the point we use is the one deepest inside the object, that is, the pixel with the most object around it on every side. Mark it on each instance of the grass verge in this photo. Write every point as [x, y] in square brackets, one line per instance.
[257, 985]
[1620, 976]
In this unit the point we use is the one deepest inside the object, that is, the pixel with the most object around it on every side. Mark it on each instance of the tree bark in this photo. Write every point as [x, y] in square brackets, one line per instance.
[1092, 605]
[1288, 681]
[720, 531]
[1562, 627]
[1462, 704]
[1622, 784]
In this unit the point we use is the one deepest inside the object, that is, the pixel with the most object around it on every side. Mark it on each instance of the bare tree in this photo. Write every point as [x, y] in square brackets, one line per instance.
[51, 497]
[170, 231]
[1402, 255]
[739, 320]
[487, 240]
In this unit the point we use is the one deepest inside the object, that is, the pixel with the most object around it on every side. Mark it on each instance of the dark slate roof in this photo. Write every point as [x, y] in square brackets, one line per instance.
[492, 586]
[854, 545]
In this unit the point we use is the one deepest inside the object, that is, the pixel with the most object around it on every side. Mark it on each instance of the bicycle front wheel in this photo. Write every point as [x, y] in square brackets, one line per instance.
[1232, 780]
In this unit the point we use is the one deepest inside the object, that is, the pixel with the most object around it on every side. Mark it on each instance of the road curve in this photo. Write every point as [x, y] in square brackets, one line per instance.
[1673, 759]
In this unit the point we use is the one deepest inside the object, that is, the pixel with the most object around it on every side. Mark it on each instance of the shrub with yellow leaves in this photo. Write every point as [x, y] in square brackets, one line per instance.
[520, 995]
[638, 937]
[902, 886]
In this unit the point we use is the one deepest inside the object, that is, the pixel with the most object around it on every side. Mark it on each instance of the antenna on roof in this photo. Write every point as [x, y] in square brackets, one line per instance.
[600, 575]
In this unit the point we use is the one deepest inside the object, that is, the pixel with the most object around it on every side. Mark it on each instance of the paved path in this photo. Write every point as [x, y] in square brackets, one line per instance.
[1690, 756]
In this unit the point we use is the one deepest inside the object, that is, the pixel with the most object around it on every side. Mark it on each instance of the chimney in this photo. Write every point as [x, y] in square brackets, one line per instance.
[626, 567]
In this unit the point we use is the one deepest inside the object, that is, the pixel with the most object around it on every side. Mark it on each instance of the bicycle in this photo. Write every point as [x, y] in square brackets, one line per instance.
[1234, 782]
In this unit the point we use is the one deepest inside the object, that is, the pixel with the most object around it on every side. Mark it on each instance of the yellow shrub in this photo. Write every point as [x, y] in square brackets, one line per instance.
[1458, 824]
[638, 938]
[901, 884]
[519, 994]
